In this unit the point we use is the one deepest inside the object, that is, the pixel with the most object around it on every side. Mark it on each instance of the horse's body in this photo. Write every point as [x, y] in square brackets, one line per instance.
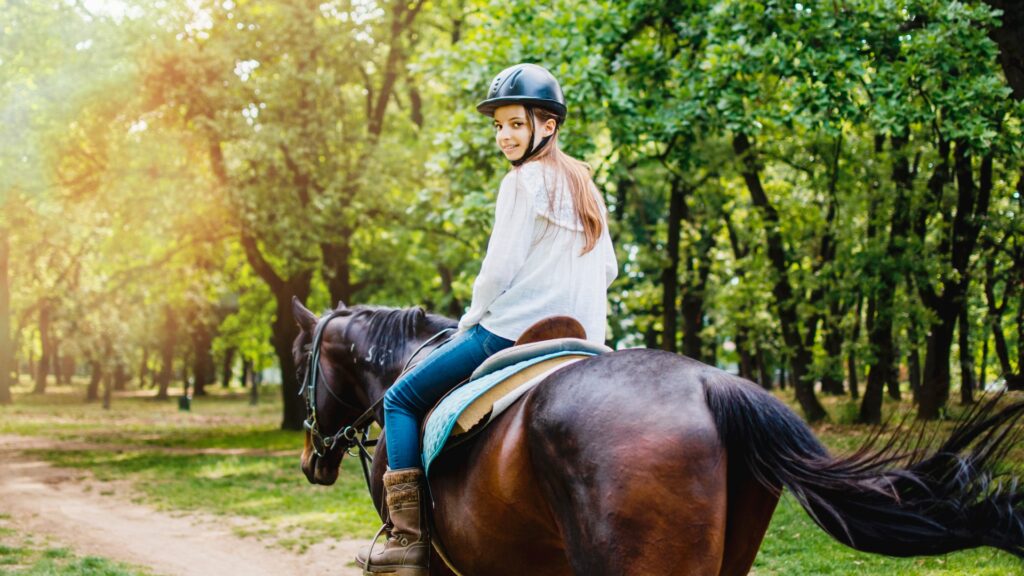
[584, 476]
[646, 462]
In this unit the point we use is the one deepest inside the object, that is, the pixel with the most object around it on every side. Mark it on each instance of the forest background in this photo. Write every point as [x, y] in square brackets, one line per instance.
[824, 196]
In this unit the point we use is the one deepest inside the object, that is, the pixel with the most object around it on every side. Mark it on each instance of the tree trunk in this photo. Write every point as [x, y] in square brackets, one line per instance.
[746, 358]
[670, 274]
[55, 360]
[693, 325]
[871, 403]
[971, 211]
[144, 367]
[203, 369]
[1011, 43]
[995, 318]
[966, 358]
[227, 367]
[255, 379]
[851, 359]
[186, 384]
[914, 359]
[108, 376]
[882, 368]
[31, 362]
[67, 368]
[243, 381]
[447, 276]
[7, 361]
[892, 385]
[982, 372]
[285, 333]
[106, 391]
[337, 268]
[170, 336]
[46, 357]
[935, 384]
[692, 305]
[284, 329]
[1015, 381]
[832, 380]
[120, 377]
[764, 375]
[782, 290]
[92, 392]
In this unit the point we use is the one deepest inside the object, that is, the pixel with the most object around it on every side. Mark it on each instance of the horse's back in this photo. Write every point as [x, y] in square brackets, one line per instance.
[628, 456]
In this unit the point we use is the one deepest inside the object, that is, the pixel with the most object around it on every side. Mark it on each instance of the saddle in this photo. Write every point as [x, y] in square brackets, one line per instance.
[545, 347]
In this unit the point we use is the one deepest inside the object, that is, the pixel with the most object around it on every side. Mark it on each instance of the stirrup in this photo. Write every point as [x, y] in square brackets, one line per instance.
[369, 554]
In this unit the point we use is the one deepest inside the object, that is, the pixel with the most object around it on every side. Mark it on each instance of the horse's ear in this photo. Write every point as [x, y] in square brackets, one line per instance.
[303, 317]
[341, 305]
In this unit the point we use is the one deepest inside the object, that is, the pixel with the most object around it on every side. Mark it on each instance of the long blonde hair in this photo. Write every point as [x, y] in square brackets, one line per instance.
[587, 204]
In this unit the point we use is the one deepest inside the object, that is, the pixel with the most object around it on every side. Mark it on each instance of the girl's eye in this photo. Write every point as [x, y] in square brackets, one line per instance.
[517, 124]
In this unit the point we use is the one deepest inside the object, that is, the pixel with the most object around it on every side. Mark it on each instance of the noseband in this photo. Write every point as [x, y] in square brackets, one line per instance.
[356, 434]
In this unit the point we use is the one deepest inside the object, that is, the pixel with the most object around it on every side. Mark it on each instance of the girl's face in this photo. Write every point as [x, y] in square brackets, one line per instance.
[512, 131]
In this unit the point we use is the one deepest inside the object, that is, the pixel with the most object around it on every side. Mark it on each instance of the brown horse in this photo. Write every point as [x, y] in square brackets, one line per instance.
[646, 462]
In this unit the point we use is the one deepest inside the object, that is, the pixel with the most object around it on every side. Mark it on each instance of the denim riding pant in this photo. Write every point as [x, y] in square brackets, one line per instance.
[415, 393]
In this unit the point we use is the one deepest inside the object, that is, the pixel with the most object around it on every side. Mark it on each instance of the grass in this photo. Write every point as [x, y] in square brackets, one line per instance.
[794, 545]
[225, 458]
[23, 555]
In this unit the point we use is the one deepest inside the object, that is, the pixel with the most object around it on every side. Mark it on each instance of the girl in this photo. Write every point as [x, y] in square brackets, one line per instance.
[549, 254]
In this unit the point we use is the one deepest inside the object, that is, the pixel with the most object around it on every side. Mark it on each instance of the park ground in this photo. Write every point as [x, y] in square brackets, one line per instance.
[146, 489]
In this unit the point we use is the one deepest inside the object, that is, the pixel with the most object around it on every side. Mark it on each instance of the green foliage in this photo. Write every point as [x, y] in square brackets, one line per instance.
[145, 145]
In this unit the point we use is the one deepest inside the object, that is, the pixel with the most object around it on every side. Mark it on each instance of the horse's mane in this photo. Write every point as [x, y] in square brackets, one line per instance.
[389, 330]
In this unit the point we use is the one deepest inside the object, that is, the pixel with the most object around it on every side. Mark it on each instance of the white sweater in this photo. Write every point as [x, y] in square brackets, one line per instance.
[533, 268]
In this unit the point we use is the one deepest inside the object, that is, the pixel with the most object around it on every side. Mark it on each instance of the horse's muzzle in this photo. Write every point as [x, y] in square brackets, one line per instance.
[318, 470]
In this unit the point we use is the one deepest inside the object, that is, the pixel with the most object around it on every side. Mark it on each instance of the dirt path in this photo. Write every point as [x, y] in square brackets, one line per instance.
[93, 519]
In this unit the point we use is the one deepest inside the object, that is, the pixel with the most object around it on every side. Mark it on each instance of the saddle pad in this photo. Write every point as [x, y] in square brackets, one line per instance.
[520, 352]
[475, 399]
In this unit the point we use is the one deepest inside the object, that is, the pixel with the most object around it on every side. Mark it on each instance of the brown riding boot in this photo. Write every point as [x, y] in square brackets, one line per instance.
[407, 549]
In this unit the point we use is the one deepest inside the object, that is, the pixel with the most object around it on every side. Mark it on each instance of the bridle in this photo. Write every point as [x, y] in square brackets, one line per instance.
[355, 435]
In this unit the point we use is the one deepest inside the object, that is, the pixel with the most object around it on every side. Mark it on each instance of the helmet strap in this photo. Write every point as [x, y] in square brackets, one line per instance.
[530, 150]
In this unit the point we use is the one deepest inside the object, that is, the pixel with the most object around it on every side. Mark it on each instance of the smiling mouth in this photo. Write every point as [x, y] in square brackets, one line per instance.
[507, 149]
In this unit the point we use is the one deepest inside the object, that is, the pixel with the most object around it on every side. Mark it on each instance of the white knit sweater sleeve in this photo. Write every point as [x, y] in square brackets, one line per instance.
[507, 248]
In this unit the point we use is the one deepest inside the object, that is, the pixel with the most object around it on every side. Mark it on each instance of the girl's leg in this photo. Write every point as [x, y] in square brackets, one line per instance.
[409, 399]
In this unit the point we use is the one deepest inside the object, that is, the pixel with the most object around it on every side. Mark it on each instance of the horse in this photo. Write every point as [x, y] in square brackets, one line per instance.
[642, 461]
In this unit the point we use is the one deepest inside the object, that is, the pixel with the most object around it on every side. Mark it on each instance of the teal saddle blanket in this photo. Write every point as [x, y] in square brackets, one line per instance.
[439, 426]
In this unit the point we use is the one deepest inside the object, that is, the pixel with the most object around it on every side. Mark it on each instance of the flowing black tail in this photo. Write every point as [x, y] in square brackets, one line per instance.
[896, 500]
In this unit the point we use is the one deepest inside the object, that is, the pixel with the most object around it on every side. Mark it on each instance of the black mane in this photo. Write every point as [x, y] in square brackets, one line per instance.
[389, 330]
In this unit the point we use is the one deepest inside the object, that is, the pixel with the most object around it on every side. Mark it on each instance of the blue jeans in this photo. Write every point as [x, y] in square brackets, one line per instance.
[415, 393]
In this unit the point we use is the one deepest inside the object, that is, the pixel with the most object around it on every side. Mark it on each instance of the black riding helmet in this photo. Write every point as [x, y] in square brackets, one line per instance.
[526, 84]
[533, 87]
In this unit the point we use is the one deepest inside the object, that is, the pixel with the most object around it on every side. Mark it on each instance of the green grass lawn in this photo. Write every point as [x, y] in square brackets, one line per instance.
[144, 441]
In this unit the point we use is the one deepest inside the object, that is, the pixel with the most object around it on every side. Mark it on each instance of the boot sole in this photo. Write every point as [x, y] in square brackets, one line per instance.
[392, 570]
[399, 571]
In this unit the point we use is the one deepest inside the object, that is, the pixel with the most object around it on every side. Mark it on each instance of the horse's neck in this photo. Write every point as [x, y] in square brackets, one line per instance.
[377, 385]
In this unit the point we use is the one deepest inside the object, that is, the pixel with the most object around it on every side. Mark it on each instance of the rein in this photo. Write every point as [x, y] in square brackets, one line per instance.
[356, 434]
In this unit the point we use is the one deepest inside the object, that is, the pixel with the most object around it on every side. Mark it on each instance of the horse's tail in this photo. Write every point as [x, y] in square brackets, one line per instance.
[897, 500]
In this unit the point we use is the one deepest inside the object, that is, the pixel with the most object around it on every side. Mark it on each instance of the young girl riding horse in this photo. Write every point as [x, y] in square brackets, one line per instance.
[549, 254]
